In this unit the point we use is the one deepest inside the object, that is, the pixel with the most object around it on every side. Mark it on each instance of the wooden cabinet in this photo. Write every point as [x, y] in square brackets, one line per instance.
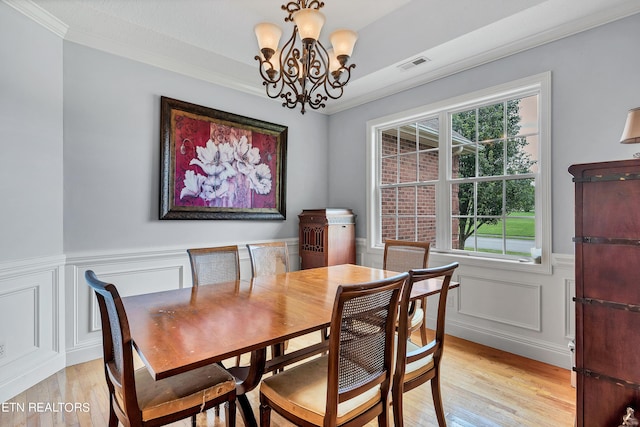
[607, 302]
[327, 237]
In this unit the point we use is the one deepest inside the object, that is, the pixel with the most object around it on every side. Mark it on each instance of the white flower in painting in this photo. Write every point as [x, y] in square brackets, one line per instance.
[215, 159]
[214, 188]
[260, 179]
[246, 156]
[192, 184]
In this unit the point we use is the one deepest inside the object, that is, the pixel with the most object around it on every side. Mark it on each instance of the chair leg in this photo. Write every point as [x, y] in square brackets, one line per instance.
[265, 415]
[383, 418]
[230, 413]
[437, 400]
[396, 396]
[324, 334]
[277, 350]
[216, 410]
[113, 418]
[194, 421]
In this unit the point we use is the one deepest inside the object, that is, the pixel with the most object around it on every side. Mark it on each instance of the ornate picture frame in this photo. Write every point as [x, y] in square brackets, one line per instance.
[219, 165]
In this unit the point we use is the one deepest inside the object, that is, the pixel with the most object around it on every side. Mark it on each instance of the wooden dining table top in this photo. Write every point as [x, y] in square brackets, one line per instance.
[179, 330]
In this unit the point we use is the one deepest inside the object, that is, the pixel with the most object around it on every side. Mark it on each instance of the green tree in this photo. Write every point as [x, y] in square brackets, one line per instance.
[487, 129]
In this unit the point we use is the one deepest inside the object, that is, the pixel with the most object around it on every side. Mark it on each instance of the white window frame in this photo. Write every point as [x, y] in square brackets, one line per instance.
[538, 84]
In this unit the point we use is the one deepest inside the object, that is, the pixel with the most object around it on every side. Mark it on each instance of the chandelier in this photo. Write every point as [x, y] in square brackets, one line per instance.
[303, 71]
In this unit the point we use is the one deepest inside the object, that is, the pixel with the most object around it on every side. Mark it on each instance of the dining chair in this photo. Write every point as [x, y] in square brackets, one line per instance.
[268, 258]
[350, 385]
[401, 255]
[418, 364]
[135, 398]
[210, 266]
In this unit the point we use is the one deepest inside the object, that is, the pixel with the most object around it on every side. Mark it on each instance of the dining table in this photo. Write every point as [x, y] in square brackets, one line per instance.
[183, 329]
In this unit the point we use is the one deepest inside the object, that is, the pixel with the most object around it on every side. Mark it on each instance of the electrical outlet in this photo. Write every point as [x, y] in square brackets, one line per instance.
[3, 351]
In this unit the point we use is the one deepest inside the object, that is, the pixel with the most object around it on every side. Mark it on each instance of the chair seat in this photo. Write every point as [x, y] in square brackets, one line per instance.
[190, 389]
[302, 390]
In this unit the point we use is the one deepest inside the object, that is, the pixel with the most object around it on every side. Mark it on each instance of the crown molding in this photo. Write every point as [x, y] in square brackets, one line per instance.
[163, 61]
[388, 88]
[39, 15]
[369, 88]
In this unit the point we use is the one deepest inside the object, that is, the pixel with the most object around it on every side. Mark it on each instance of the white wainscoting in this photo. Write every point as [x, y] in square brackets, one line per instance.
[133, 273]
[523, 313]
[31, 323]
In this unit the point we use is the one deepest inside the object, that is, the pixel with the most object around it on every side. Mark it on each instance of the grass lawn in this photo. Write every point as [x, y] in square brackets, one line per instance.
[522, 228]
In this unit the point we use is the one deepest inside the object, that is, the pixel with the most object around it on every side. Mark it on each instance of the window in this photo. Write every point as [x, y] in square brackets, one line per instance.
[466, 174]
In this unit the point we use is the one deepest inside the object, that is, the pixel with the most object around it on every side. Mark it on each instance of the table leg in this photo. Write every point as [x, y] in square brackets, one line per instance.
[246, 411]
[248, 378]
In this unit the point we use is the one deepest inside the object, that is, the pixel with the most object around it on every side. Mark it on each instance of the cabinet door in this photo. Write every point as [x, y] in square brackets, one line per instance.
[604, 402]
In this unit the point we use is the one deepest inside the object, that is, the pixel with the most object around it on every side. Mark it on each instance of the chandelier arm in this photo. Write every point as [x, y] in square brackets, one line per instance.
[266, 70]
[289, 64]
[335, 88]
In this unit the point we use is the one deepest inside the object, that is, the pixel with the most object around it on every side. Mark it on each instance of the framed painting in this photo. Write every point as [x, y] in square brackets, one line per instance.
[218, 165]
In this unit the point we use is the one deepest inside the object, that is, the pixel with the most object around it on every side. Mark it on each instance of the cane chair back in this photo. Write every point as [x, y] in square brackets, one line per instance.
[351, 384]
[214, 265]
[136, 399]
[418, 364]
[268, 258]
[400, 255]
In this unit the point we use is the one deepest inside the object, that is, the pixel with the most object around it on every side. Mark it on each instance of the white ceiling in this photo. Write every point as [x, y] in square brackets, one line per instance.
[213, 40]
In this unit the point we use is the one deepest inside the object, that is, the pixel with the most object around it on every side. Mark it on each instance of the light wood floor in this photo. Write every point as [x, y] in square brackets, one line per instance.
[481, 387]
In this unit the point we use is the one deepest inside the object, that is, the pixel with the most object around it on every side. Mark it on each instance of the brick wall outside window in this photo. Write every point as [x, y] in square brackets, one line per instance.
[409, 211]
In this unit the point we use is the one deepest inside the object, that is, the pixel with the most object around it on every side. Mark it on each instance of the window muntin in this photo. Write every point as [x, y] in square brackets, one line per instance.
[500, 138]
[496, 209]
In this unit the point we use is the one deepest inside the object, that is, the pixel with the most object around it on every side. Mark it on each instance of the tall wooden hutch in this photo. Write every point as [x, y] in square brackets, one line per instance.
[327, 237]
[607, 301]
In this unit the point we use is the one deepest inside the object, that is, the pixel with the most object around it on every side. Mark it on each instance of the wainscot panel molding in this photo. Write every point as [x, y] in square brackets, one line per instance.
[133, 272]
[477, 298]
[31, 322]
[529, 314]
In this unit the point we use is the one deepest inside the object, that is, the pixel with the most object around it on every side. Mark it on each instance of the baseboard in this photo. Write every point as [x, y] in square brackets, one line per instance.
[556, 355]
[31, 376]
[85, 353]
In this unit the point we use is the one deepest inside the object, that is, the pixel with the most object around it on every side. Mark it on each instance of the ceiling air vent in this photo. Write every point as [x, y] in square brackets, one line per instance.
[414, 63]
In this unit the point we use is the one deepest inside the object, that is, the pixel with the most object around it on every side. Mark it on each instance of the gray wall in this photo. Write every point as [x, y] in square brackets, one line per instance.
[30, 138]
[595, 80]
[112, 156]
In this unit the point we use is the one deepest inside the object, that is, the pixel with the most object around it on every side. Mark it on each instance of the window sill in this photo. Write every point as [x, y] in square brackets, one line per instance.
[495, 263]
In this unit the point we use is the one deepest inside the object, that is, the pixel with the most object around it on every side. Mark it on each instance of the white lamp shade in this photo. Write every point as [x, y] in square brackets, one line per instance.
[343, 41]
[268, 35]
[309, 23]
[631, 132]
